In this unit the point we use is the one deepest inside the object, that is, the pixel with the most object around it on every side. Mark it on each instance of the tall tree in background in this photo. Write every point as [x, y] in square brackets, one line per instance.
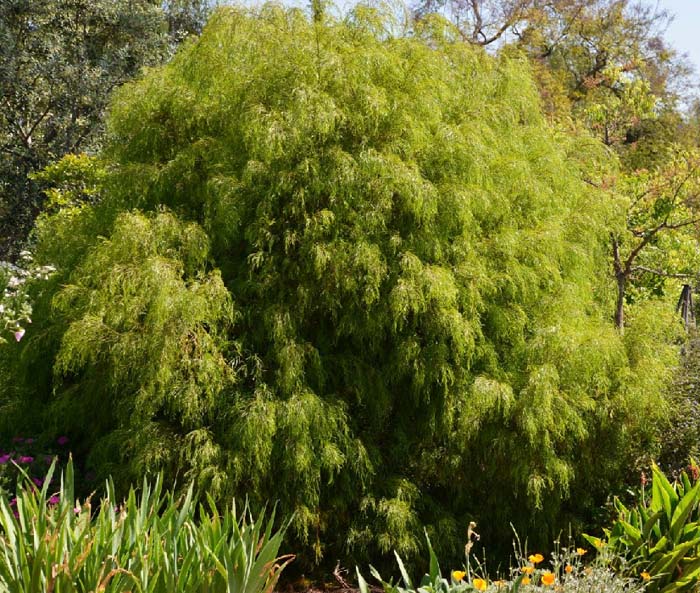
[606, 66]
[604, 62]
[607, 62]
[481, 22]
[660, 239]
[59, 62]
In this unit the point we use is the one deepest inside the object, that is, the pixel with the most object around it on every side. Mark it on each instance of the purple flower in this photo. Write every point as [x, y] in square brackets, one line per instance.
[4, 459]
[29, 441]
[62, 440]
[48, 459]
[13, 502]
[18, 334]
[17, 439]
[38, 481]
[25, 459]
[55, 499]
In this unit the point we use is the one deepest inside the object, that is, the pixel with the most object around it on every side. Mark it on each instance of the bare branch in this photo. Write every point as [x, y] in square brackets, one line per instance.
[36, 123]
[680, 225]
[661, 273]
[478, 22]
[648, 236]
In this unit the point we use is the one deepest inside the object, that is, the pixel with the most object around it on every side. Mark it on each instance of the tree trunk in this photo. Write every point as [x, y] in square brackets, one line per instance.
[620, 306]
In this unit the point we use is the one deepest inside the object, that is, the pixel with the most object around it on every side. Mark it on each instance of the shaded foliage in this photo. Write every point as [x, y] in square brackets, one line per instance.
[59, 63]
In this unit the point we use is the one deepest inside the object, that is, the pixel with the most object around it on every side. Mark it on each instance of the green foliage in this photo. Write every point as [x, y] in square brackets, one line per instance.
[71, 181]
[350, 270]
[566, 574]
[659, 246]
[606, 64]
[661, 534]
[152, 542]
[186, 17]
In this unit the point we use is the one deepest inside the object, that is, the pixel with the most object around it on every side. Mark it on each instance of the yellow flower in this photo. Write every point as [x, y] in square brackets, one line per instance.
[536, 558]
[528, 569]
[480, 584]
[458, 575]
[500, 583]
[548, 579]
[645, 576]
[568, 569]
[525, 581]
[581, 551]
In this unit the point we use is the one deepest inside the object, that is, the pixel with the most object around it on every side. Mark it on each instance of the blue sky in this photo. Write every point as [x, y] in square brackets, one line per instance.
[684, 31]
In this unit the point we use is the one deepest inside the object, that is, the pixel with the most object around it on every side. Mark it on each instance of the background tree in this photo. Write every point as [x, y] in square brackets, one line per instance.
[662, 222]
[481, 22]
[59, 62]
[186, 17]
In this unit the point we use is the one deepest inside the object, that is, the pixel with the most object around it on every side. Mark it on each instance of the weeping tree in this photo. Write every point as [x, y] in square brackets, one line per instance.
[351, 270]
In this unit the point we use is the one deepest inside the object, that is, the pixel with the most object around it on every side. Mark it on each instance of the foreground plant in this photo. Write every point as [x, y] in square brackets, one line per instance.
[153, 542]
[660, 535]
[564, 573]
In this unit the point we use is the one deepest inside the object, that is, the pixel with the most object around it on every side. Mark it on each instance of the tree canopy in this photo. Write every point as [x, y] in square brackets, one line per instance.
[59, 63]
[350, 269]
